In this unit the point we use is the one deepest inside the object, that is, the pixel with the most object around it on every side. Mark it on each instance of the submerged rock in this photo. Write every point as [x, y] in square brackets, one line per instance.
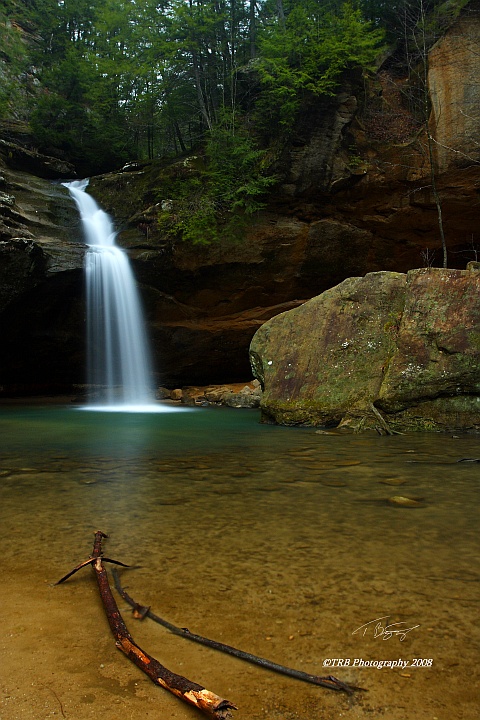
[388, 351]
[408, 502]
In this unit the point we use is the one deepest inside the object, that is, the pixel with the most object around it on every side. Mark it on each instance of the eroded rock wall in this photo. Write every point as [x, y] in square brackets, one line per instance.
[41, 285]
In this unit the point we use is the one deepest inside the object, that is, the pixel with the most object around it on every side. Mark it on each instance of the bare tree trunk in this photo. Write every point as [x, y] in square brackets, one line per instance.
[430, 140]
[252, 29]
[178, 134]
[281, 13]
[426, 116]
[198, 85]
[436, 197]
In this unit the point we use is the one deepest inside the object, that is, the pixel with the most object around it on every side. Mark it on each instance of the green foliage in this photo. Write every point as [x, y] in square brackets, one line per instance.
[212, 200]
[77, 117]
[235, 168]
[395, 16]
[190, 215]
[123, 80]
[308, 52]
[156, 76]
[13, 63]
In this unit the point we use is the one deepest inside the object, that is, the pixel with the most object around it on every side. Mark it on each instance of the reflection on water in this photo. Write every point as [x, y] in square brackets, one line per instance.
[244, 522]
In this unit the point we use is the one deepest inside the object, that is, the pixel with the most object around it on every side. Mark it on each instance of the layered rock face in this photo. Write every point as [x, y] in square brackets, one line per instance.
[41, 280]
[355, 197]
[205, 303]
[453, 84]
[387, 351]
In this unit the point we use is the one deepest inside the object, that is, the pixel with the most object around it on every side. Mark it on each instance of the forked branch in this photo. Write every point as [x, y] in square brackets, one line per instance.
[192, 693]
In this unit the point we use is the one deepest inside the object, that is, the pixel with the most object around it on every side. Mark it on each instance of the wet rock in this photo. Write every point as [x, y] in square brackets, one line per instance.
[163, 393]
[217, 394]
[7, 200]
[242, 400]
[233, 395]
[319, 360]
[41, 286]
[438, 344]
[407, 502]
[19, 158]
[39, 234]
[350, 200]
[190, 397]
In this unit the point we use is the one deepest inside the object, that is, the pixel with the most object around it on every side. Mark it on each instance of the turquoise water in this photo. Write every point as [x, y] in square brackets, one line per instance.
[244, 526]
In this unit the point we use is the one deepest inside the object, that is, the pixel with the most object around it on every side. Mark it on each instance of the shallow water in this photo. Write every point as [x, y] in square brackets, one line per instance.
[279, 541]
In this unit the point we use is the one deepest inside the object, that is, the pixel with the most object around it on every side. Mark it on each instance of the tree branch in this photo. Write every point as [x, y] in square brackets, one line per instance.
[212, 705]
[140, 612]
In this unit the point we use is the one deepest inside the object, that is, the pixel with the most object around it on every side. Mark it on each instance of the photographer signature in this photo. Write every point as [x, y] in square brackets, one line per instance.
[385, 631]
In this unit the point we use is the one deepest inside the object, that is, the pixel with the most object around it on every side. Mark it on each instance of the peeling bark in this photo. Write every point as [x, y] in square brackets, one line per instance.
[192, 693]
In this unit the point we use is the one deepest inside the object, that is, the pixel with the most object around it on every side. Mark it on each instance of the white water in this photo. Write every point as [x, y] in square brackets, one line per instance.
[118, 356]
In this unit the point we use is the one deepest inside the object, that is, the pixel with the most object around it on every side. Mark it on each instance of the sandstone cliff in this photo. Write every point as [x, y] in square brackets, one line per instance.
[355, 197]
[41, 277]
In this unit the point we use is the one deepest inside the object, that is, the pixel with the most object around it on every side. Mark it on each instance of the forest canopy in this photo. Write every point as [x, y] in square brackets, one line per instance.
[137, 79]
[118, 80]
[105, 82]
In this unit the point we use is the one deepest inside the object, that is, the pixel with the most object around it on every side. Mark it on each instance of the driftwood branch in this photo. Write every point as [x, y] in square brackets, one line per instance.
[140, 612]
[90, 561]
[209, 703]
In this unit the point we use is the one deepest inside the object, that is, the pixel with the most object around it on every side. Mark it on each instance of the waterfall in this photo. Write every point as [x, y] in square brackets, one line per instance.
[118, 356]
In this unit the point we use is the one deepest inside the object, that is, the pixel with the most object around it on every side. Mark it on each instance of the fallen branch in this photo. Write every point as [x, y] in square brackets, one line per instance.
[140, 612]
[384, 425]
[209, 703]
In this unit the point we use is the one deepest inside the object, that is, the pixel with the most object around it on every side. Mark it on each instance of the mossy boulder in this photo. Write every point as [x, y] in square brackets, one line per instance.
[386, 351]
[438, 346]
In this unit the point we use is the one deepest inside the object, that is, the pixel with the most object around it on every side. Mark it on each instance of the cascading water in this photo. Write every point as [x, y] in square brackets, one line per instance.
[118, 355]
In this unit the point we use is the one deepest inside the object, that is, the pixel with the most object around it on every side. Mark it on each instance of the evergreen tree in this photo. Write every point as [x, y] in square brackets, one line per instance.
[13, 62]
[137, 79]
[307, 49]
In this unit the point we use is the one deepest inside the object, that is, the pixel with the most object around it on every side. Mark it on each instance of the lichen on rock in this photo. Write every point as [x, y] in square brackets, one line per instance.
[386, 351]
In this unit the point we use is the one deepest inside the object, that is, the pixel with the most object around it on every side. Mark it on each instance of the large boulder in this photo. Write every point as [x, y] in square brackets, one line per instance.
[434, 373]
[387, 351]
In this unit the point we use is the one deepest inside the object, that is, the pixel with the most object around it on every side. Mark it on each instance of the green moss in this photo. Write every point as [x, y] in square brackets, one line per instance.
[306, 412]
[474, 339]
[120, 194]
